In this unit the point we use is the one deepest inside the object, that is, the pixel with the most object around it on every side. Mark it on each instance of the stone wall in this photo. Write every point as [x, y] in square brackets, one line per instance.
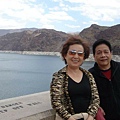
[30, 107]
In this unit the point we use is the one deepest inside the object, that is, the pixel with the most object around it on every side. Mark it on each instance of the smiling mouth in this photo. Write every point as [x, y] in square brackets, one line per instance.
[103, 60]
[75, 61]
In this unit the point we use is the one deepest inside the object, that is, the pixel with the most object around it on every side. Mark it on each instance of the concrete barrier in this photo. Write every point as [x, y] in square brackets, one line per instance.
[30, 107]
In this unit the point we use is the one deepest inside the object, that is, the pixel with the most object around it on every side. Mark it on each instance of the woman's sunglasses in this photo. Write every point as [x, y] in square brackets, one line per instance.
[74, 52]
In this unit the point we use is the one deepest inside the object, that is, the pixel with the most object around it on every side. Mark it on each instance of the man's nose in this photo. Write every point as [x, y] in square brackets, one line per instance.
[102, 54]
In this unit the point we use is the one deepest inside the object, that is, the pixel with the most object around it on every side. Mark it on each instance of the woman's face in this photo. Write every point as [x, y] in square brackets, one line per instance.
[75, 55]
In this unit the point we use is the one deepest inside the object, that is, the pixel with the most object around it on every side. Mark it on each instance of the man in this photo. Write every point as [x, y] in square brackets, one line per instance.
[107, 76]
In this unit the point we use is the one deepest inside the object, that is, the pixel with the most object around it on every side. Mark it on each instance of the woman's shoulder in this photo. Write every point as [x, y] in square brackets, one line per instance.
[60, 72]
[59, 75]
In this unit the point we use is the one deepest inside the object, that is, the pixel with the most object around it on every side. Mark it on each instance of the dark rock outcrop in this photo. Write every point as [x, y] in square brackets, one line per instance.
[95, 32]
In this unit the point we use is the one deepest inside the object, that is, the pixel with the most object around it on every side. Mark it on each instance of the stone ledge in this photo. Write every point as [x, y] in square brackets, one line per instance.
[30, 107]
[46, 115]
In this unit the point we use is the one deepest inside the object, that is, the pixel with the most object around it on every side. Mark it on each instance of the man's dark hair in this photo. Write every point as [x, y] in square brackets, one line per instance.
[99, 42]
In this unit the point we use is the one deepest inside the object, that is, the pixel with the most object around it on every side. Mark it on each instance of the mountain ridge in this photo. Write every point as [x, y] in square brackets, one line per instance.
[50, 40]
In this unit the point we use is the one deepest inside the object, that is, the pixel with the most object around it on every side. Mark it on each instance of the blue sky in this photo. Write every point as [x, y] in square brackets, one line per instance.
[61, 15]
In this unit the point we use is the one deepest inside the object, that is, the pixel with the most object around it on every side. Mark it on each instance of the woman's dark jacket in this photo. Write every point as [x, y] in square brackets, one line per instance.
[109, 90]
[60, 99]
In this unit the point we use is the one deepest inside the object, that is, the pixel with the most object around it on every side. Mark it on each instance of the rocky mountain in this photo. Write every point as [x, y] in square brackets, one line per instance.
[50, 40]
[91, 32]
[95, 32]
[38, 40]
[5, 31]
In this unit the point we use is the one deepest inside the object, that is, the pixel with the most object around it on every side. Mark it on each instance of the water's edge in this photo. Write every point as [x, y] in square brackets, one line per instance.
[115, 57]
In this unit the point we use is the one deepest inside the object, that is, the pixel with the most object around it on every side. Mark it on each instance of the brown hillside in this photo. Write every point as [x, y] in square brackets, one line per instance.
[50, 40]
[39, 40]
[95, 32]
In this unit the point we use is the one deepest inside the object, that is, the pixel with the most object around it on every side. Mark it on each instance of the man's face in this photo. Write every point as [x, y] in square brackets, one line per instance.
[103, 56]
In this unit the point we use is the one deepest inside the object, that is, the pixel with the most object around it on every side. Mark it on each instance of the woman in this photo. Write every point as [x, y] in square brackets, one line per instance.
[73, 90]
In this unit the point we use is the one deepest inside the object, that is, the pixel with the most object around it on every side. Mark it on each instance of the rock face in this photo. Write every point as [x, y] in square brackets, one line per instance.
[38, 40]
[49, 40]
[91, 32]
[6, 31]
[112, 34]
[95, 32]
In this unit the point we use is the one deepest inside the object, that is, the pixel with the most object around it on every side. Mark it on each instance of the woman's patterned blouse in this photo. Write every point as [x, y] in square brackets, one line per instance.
[60, 99]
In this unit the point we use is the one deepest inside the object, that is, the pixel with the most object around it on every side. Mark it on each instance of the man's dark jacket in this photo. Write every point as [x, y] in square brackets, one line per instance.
[109, 90]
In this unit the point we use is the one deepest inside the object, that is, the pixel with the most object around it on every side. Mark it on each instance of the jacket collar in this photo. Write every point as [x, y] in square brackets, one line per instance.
[112, 64]
[64, 70]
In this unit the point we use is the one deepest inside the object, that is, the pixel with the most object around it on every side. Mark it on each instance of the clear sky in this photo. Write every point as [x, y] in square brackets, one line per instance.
[60, 15]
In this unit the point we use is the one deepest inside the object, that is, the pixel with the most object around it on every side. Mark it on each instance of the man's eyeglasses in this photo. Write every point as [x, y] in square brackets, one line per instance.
[74, 52]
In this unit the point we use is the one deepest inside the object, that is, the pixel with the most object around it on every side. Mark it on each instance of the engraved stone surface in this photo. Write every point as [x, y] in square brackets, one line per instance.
[30, 107]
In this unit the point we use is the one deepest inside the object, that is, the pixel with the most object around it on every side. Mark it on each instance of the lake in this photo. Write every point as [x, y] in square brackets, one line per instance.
[27, 74]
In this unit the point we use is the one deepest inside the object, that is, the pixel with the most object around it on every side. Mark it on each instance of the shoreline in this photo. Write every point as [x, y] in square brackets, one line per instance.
[115, 57]
[33, 53]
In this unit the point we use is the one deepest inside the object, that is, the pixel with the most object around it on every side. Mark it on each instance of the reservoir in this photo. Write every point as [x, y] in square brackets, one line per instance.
[27, 74]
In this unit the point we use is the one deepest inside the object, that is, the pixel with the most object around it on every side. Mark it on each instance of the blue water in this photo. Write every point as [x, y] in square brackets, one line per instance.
[27, 74]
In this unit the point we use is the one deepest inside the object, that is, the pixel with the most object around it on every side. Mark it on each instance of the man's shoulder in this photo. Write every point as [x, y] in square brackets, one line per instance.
[115, 63]
[91, 69]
